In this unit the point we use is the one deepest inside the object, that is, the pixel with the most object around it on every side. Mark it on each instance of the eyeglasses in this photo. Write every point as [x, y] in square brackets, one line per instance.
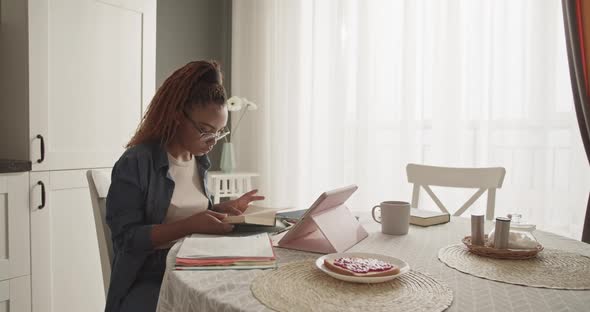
[206, 136]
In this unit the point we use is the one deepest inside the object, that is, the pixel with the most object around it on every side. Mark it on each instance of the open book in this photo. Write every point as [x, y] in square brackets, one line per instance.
[254, 215]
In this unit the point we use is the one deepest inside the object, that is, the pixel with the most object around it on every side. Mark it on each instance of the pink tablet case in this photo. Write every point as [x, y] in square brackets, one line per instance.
[327, 226]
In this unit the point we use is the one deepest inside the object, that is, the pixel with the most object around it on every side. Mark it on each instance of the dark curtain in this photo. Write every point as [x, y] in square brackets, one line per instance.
[576, 17]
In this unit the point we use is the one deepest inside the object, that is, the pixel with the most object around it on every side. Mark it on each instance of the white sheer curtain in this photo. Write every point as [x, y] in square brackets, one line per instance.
[351, 91]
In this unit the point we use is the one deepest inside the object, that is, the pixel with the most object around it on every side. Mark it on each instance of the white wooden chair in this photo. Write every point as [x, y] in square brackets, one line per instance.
[98, 184]
[229, 184]
[482, 179]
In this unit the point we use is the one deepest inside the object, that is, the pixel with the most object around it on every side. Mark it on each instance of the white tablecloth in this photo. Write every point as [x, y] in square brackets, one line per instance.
[230, 290]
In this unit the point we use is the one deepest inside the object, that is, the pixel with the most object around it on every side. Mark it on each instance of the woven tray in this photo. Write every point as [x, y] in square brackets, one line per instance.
[300, 286]
[491, 252]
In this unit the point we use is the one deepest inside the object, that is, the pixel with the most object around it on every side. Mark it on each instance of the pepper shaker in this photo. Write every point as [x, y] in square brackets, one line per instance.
[477, 236]
[502, 232]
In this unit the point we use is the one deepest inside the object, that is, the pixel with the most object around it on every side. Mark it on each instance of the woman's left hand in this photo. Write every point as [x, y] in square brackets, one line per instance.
[239, 205]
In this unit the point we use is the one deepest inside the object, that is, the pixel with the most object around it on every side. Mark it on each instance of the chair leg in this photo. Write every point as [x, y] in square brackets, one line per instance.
[415, 195]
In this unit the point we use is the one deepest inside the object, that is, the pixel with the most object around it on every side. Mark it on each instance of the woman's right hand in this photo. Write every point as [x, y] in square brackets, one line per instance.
[208, 222]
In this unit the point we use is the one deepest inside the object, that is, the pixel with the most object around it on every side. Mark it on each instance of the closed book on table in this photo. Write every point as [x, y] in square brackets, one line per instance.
[427, 218]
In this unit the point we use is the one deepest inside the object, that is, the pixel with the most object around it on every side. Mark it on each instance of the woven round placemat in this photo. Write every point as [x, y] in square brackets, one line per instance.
[550, 269]
[300, 286]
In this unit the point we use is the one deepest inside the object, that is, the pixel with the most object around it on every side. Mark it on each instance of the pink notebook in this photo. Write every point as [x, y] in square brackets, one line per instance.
[327, 226]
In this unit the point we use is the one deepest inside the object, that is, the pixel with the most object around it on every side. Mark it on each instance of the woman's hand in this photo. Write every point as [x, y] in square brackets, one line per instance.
[208, 222]
[239, 205]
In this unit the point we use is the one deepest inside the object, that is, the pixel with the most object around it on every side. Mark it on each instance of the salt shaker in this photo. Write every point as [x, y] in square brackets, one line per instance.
[477, 237]
[502, 232]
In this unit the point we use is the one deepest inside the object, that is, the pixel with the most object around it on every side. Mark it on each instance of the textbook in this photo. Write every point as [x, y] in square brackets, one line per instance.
[255, 215]
[427, 218]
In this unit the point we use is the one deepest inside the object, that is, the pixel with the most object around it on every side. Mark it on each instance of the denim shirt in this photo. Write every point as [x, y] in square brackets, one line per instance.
[139, 196]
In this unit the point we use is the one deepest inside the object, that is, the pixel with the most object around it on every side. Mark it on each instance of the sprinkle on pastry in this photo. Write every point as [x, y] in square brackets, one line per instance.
[362, 265]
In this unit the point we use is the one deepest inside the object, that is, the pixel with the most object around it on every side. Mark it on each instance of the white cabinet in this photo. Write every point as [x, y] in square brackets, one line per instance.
[14, 226]
[92, 68]
[66, 274]
[15, 285]
[15, 295]
[91, 71]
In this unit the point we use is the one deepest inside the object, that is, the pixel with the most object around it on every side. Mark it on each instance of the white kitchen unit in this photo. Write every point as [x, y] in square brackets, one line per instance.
[64, 250]
[91, 70]
[15, 295]
[15, 279]
[76, 76]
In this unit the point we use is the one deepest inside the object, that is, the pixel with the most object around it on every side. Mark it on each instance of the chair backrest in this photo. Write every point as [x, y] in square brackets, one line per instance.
[99, 183]
[482, 179]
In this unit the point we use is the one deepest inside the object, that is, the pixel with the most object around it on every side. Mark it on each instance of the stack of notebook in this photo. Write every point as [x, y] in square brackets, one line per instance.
[208, 252]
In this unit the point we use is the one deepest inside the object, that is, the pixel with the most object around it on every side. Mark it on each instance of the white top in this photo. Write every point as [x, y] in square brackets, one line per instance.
[188, 197]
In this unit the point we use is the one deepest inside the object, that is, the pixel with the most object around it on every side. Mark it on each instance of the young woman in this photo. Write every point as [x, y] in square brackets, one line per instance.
[158, 191]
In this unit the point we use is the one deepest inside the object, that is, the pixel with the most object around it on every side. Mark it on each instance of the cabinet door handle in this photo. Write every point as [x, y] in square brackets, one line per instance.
[40, 160]
[42, 194]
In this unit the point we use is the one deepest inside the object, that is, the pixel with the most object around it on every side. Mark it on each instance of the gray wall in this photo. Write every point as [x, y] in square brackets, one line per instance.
[189, 30]
[14, 80]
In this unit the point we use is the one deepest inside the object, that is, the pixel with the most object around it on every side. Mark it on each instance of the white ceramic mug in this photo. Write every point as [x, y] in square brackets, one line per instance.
[394, 217]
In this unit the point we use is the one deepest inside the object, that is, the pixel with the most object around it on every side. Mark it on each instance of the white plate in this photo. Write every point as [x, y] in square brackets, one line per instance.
[403, 266]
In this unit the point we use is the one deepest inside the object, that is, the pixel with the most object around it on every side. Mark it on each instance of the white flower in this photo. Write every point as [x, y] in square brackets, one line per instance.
[250, 105]
[234, 104]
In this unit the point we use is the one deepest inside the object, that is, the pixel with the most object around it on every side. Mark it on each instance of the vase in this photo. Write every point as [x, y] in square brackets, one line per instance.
[228, 158]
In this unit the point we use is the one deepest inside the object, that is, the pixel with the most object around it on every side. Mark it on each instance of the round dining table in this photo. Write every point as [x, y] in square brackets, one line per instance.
[229, 290]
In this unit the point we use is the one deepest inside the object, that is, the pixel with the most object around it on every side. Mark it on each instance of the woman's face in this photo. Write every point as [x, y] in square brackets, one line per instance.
[199, 127]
